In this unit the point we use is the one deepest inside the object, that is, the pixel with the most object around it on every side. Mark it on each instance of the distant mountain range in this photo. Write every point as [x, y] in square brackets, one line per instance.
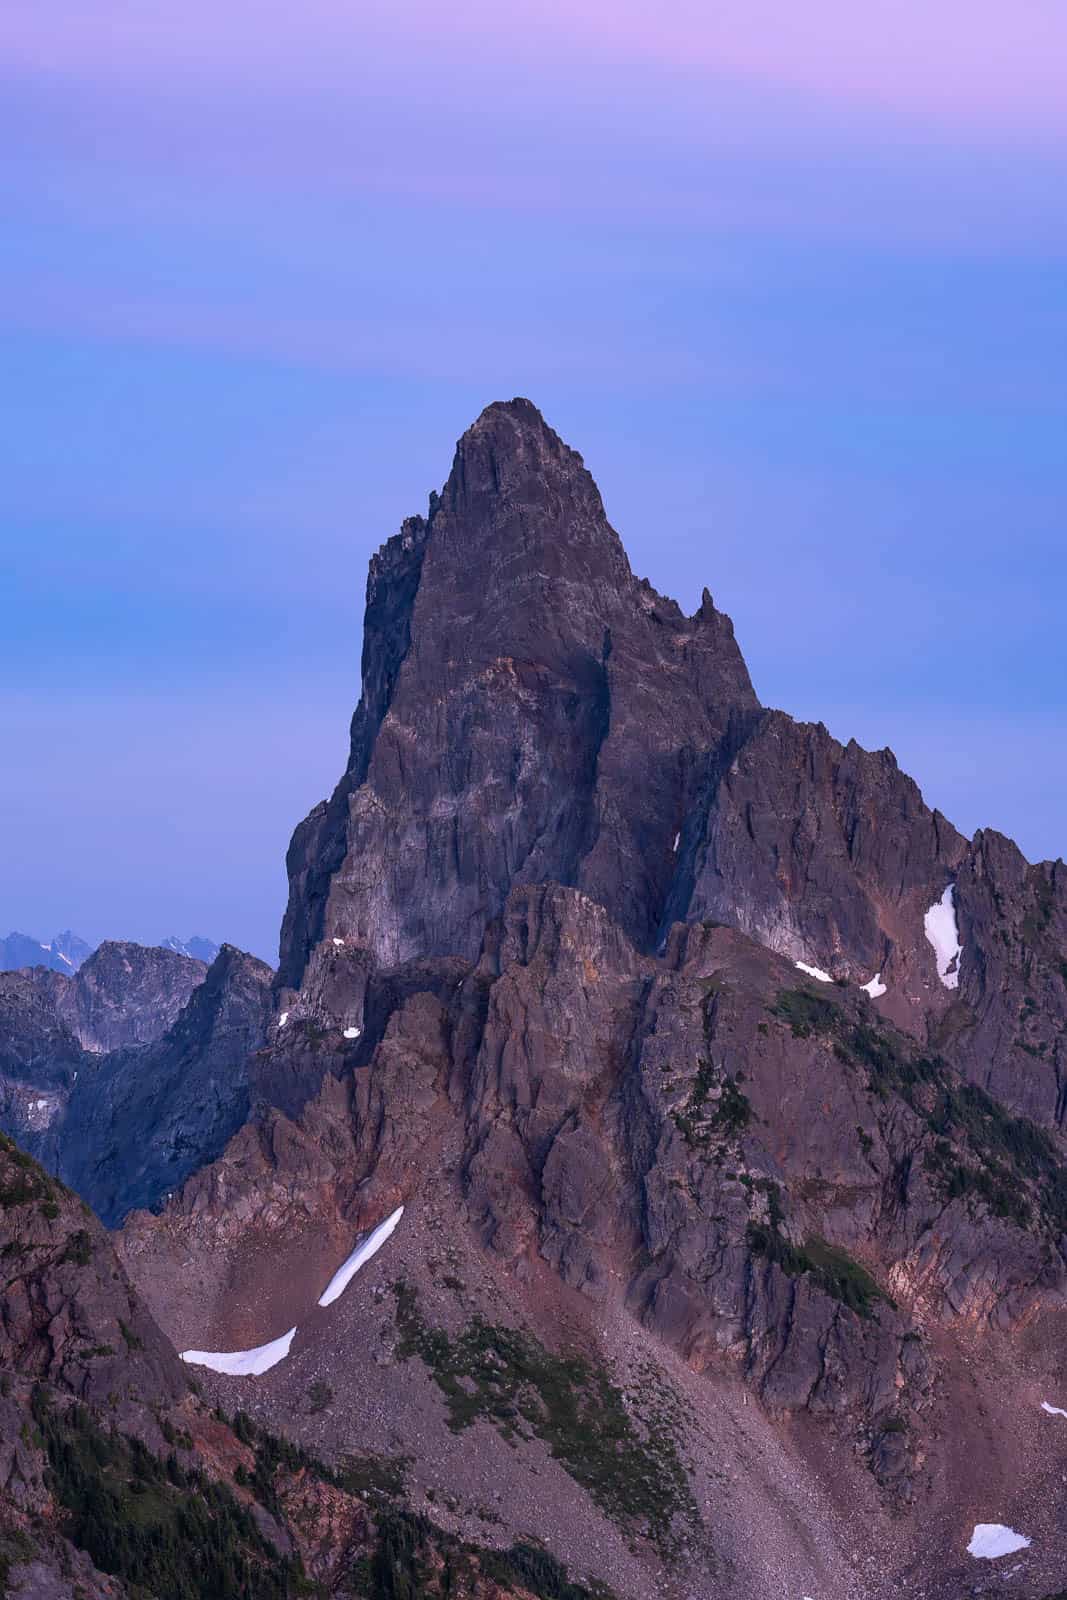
[67, 951]
[200, 949]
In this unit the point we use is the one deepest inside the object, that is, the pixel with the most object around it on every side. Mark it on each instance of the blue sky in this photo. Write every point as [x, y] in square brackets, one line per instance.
[811, 342]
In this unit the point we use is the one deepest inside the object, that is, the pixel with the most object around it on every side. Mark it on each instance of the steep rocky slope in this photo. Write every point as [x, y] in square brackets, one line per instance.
[139, 1124]
[117, 1481]
[532, 712]
[127, 1122]
[123, 994]
[720, 1080]
[55, 1027]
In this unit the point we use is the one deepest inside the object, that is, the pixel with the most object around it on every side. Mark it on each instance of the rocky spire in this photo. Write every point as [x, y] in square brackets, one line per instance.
[531, 711]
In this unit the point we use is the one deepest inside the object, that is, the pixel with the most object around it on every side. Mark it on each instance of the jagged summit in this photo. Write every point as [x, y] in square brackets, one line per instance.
[530, 711]
[511, 452]
[519, 535]
[533, 713]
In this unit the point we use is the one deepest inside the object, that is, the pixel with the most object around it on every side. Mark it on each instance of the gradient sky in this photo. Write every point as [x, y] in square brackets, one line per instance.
[791, 278]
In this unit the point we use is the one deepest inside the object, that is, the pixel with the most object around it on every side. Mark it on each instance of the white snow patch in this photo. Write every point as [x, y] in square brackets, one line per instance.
[352, 1033]
[1053, 1411]
[942, 930]
[243, 1363]
[815, 972]
[361, 1254]
[338, 941]
[876, 988]
[677, 840]
[991, 1539]
[283, 1019]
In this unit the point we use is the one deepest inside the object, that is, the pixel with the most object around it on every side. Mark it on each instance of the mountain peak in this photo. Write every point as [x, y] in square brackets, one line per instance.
[530, 711]
[519, 411]
[511, 457]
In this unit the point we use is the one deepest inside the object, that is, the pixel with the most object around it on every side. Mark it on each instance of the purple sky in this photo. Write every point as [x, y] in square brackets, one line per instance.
[792, 279]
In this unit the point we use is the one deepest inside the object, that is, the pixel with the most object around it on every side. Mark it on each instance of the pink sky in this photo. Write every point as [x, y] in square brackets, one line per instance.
[972, 68]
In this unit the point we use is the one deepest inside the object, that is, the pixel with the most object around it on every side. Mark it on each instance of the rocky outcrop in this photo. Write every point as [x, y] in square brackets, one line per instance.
[530, 711]
[68, 1316]
[128, 994]
[139, 1123]
[123, 994]
[124, 1126]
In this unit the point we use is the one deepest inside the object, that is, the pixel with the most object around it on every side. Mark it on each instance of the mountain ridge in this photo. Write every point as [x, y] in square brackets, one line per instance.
[67, 952]
[720, 1079]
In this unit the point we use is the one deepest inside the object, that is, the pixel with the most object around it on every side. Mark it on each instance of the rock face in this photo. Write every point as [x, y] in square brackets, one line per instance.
[54, 1027]
[126, 1078]
[139, 1121]
[530, 711]
[122, 994]
[71, 1327]
[68, 1315]
[128, 994]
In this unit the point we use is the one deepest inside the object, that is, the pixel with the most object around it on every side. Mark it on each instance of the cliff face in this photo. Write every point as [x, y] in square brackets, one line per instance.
[126, 1121]
[708, 1062]
[531, 712]
[122, 994]
[139, 1121]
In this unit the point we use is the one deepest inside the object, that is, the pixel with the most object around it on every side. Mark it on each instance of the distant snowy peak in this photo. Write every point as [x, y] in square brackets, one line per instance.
[199, 948]
[65, 953]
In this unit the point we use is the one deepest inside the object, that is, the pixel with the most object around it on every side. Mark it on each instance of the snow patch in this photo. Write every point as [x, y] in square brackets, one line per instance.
[942, 931]
[283, 1019]
[1053, 1411]
[352, 1033]
[677, 840]
[991, 1539]
[876, 988]
[243, 1363]
[338, 941]
[360, 1255]
[815, 972]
